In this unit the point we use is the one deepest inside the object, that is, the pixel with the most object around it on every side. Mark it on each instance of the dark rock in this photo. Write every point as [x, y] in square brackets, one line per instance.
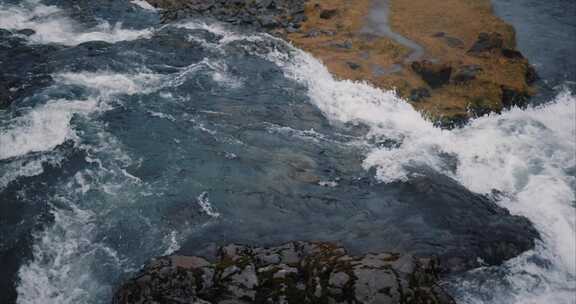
[268, 21]
[315, 33]
[512, 54]
[480, 107]
[514, 98]
[353, 65]
[452, 121]
[435, 75]
[344, 45]
[531, 75]
[296, 272]
[450, 41]
[466, 73]
[312, 33]
[454, 42]
[267, 15]
[328, 14]
[298, 18]
[487, 42]
[419, 94]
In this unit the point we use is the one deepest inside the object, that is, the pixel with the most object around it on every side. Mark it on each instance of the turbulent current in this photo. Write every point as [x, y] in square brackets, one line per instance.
[129, 139]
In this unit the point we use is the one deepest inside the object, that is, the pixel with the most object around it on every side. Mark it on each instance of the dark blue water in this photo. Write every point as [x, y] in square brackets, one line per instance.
[546, 34]
[127, 140]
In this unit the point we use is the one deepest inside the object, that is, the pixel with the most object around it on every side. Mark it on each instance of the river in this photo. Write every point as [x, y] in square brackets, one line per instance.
[129, 139]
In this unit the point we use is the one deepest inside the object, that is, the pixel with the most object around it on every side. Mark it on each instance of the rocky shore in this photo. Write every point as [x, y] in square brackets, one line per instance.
[296, 272]
[452, 60]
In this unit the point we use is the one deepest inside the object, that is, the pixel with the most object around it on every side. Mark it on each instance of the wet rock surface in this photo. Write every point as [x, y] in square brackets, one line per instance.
[296, 272]
[258, 14]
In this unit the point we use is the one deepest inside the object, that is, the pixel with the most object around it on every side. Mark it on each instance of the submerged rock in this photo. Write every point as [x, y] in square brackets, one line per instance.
[296, 272]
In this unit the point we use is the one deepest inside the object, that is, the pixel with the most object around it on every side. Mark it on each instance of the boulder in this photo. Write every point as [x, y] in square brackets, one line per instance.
[466, 73]
[328, 13]
[512, 97]
[487, 42]
[434, 74]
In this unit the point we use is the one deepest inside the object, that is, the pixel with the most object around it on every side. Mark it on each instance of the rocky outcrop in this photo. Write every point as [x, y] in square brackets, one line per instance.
[468, 56]
[296, 272]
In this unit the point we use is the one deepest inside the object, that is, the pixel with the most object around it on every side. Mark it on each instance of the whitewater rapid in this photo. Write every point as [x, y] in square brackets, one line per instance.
[527, 157]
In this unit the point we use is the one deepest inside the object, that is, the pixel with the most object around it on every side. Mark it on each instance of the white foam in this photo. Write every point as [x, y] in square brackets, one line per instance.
[217, 69]
[69, 254]
[24, 167]
[524, 153]
[217, 29]
[43, 128]
[143, 4]
[52, 26]
[173, 243]
[206, 207]
[108, 83]
[47, 126]
[53, 276]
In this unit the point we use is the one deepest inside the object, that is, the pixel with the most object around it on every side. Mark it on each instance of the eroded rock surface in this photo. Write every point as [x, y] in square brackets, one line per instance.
[296, 272]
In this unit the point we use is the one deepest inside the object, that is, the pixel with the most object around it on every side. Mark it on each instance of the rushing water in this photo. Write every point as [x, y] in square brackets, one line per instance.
[148, 138]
